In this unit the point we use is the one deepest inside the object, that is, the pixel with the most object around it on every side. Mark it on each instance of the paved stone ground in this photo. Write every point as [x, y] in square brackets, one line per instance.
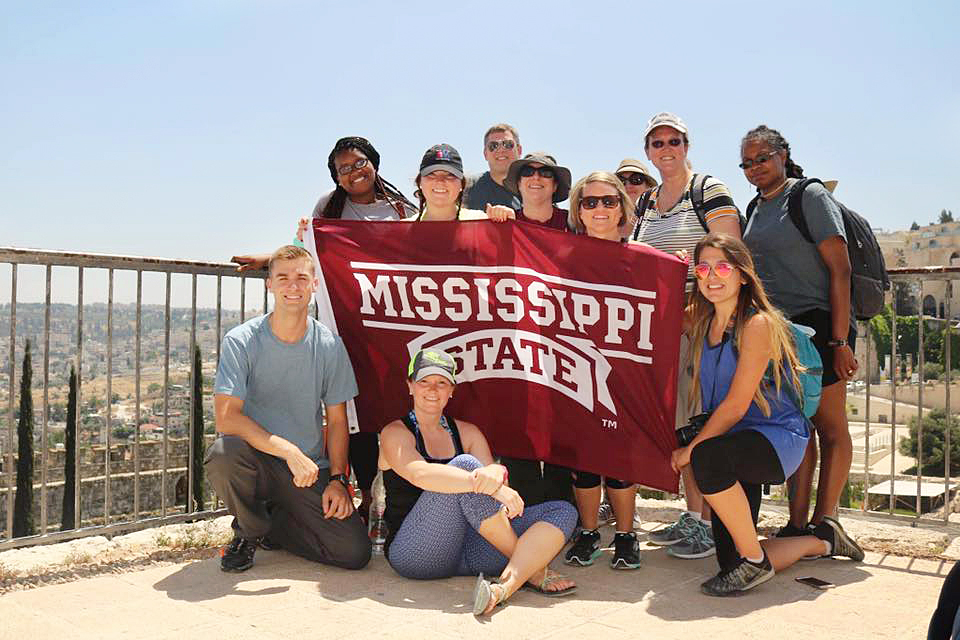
[285, 597]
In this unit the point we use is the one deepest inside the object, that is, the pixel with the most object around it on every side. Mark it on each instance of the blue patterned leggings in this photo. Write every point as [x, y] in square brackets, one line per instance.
[439, 538]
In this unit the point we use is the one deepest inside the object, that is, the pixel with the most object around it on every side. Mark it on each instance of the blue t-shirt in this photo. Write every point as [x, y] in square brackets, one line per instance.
[284, 386]
[786, 427]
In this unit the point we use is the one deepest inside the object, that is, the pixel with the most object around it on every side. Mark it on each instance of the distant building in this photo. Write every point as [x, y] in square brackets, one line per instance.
[930, 245]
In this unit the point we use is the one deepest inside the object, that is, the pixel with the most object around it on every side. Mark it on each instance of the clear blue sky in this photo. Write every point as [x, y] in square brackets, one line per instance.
[200, 129]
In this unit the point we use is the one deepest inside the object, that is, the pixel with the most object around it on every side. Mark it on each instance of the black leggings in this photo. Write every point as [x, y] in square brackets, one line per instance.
[363, 453]
[536, 486]
[941, 624]
[587, 480]
[719, 463]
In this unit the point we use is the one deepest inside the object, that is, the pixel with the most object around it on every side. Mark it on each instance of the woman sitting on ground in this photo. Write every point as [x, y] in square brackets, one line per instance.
[755, 434]
[449, 509]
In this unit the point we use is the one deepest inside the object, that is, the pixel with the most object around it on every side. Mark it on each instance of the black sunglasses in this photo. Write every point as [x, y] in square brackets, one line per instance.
[673, 142]
[635, 179]
[760, 159]
[591, 202]
[545, 172]
[507, 145]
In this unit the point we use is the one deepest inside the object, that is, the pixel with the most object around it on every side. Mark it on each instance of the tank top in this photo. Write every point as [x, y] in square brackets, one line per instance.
[401, 494]
[786, 427]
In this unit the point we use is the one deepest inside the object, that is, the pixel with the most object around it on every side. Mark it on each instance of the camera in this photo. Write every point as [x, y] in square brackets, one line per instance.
[689, 431]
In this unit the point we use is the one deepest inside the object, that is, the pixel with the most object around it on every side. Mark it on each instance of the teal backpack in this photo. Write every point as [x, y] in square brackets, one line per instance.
[810, 380]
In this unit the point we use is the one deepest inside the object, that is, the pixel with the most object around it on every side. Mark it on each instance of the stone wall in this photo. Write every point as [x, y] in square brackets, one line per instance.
[122, 482]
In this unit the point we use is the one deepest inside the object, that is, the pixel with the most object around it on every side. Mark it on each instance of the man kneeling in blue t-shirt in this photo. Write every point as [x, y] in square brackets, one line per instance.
[284, 485]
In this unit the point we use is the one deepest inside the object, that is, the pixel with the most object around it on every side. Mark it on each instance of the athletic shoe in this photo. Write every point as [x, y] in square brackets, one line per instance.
[605, 512]
[238, 555]
[699, 544]
[585, 549]
[682, 528]
[746, 575]
[790, 530]
[842, 545]
[626, 551]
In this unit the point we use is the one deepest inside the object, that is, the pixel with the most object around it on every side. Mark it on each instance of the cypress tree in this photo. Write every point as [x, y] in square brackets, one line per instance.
[69, 518]
[196, 428]
[23, 503]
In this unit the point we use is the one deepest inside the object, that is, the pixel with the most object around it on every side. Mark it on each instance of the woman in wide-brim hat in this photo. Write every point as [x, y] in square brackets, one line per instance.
[636, 178]
[541, 183]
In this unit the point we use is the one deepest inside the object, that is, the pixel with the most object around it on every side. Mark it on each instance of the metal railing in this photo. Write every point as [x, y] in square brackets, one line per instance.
[915, 277]
[136, 517]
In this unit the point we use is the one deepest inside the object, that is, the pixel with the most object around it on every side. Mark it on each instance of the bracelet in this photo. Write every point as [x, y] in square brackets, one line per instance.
[837, 343]
[341, 478]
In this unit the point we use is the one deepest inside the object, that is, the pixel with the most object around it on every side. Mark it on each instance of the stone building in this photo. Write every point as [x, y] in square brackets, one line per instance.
[930, 245]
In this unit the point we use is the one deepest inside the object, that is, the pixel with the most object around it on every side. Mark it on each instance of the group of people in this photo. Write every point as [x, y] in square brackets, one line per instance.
[451, 508]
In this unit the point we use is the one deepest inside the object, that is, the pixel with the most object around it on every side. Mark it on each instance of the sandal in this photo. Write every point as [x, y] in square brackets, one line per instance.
[484, 592]
[549, 578]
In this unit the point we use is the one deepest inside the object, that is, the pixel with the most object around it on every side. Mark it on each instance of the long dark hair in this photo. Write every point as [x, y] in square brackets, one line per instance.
[751, 300]
[381, 188]
[774, 139]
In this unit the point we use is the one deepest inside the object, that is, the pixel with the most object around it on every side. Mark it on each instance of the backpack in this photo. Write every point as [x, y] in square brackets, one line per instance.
[811, 379]
[696, 199]
[868, 271]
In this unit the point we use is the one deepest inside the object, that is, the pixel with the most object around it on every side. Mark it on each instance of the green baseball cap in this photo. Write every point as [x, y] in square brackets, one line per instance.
[432, 361]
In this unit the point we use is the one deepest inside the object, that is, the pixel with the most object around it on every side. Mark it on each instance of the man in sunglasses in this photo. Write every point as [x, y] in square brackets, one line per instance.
[501, 146]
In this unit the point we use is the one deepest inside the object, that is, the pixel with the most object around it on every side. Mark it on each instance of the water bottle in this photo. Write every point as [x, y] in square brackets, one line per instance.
[378, 526]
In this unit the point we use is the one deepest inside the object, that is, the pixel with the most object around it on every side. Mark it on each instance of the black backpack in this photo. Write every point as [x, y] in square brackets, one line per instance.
[696, 199]
[868, 271]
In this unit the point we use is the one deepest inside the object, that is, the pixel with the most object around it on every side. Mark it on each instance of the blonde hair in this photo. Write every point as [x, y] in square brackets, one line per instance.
[752, 300]
[289, 252]
[576, 193]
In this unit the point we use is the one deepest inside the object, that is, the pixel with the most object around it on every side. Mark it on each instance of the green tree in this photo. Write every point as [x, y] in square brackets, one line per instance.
[934, 443]
[69, 518]
[196, 429]
[23, 504]
[946, 216]
[914, 226]
[880, 330]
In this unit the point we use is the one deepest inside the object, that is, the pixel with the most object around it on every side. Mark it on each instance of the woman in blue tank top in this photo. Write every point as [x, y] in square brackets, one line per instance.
[450, 511]
[743, 358]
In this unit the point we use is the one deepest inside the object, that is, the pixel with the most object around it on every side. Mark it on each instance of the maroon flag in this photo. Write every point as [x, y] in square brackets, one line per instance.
[566, 346]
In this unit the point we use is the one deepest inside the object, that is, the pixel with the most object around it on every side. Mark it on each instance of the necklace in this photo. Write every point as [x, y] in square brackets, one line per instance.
[774, 191]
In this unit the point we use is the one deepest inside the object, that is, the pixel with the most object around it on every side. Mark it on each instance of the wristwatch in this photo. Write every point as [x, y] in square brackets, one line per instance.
[837, 343]
[341, 478]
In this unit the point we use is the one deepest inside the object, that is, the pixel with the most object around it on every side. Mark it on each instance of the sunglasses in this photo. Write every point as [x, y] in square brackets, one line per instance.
[673, 142]
[635, 179]
[722, 269]
[760, 159]
[591, 202]
[349, 168]
[545, 172]
[506, 145]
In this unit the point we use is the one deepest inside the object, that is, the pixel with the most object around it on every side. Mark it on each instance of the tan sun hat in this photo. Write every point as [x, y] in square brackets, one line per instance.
[561, 174]
[635, 166]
